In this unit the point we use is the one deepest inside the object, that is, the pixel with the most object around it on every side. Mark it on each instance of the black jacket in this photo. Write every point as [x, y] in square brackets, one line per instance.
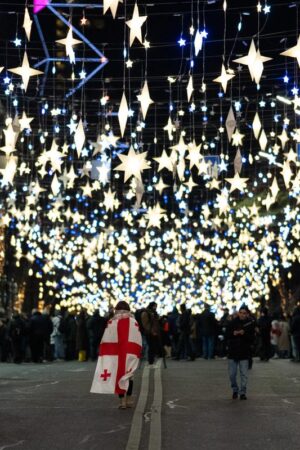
[239, 347]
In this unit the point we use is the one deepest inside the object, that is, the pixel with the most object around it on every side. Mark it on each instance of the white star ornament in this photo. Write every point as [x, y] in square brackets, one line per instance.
[25, 71]
[135, 25]
[223, 78]
[145, 99]
[112, 5]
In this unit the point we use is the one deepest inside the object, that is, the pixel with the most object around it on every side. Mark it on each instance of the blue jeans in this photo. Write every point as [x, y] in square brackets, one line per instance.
[208, 344]
[232, 369]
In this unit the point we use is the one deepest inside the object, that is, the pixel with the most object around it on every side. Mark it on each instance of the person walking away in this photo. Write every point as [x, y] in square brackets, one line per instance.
[184, 344]
[151, 327]
[240, 337]
[36, 336]
[95, 329]
[119, 354]
[208, 329]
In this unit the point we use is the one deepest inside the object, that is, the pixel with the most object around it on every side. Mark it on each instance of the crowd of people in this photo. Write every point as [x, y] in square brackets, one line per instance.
[181, 335]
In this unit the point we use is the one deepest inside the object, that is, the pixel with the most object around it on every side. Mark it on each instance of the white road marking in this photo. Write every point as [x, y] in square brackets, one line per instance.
[155, 427]
[137, 421]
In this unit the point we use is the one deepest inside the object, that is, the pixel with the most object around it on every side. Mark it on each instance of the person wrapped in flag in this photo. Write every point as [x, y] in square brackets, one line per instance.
[119, 353]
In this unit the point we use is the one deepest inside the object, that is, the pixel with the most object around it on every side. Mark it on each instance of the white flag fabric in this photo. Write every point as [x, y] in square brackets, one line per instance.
[119, 354]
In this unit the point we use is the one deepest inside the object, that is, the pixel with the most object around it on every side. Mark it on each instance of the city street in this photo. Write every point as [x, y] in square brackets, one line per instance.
[187, 405]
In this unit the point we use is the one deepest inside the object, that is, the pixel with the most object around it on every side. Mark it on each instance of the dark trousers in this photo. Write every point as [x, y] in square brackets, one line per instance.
[154, 347]
[129, 390]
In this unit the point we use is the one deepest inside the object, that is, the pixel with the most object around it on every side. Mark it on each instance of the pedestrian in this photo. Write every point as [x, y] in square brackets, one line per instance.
[295, 332]
[184, 349]
[95, 329]
[81, 336]
[17, 333]
[240, 337]
[57, 338]
[151, 327]
[264, 325]
[119, 354]
[283, 338]
[208, 326]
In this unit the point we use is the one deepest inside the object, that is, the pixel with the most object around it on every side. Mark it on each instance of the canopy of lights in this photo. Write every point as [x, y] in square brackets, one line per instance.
[151, 151]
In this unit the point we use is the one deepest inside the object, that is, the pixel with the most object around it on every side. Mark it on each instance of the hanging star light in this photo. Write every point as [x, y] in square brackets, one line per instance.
[286, 173]
[154, 216]
[237, 138]
[145, 99]
[25, 71]
[194, 155]
[8, 173]
[190, 88]
[68, 42]
[109, 200]
[160, 186]
[135, 25]
[25, 122]
[112, 5]
[254, 60]
[123, 114]
[283, 137]
[293, 52]
[164, 162]
[79, 138]
[230, 123]
[133, 164]
[256, 125]
[169, 128]
[237, 182]
[27, 24]
[224, 78]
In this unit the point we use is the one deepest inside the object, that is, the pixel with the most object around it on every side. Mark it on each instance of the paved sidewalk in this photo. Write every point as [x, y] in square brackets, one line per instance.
[49, 407]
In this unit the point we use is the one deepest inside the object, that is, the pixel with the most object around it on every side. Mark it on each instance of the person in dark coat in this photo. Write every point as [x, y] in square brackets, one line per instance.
[208, 326]
[69, 329]
[295, 331]
[95, 328]
[184, 344]
[240, 338]
[37, 332]
[151, 327]
[81, 336]
[17, 333]
[264, 325]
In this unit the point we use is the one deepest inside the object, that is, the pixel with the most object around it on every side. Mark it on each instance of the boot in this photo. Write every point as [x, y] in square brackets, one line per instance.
[122, 404]
[129, 401]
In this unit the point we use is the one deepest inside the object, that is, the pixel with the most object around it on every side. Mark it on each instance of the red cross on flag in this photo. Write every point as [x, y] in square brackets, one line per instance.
[119, 354]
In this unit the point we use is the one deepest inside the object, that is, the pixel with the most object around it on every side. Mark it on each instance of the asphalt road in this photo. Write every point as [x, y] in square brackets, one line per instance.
[186, 406]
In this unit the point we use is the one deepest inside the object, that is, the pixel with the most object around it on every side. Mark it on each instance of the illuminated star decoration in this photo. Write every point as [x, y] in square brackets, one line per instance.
[223, 78]
[68, 42]
[133, 164]
[135, 25]
[25, 71]
[145, 99]
[254, 60]
[123, 114]
[25, 121]
[237, 182]
[112, 5]
[293, 52]
[154, 216]
[27, 24]
[198, 42]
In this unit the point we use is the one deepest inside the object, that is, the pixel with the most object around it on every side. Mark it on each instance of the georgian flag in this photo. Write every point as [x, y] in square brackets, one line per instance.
[119, 354]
